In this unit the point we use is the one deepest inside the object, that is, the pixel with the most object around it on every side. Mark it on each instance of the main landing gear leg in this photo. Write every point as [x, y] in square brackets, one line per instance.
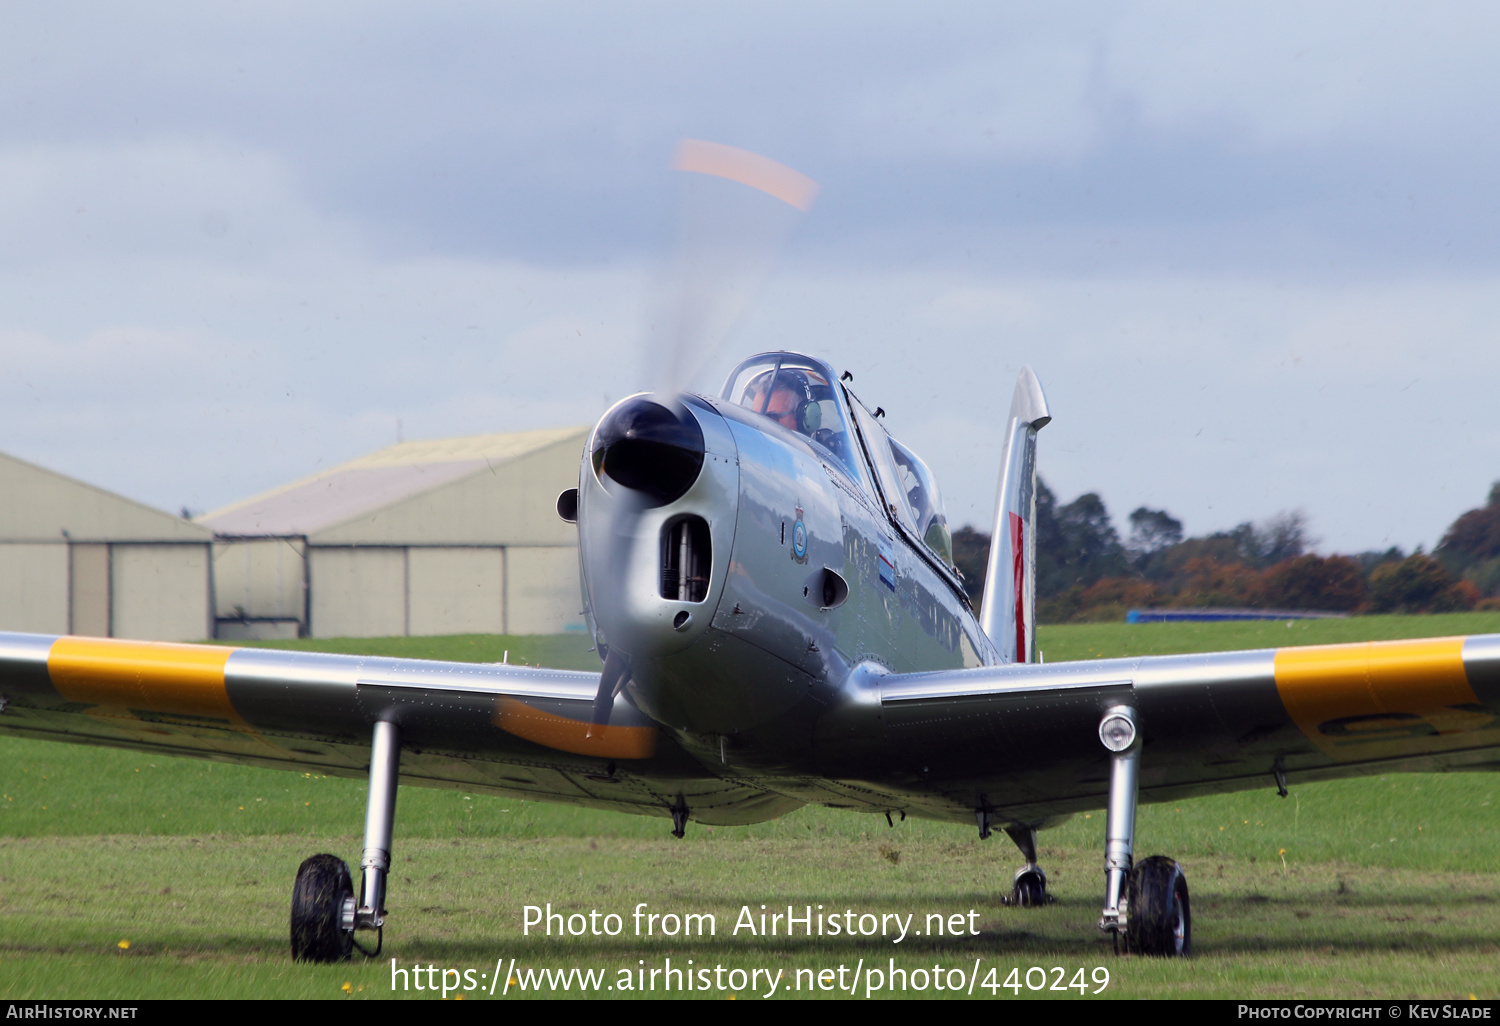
[1146, 904]
[326, 912]
[1117, 732]
[1029, 888]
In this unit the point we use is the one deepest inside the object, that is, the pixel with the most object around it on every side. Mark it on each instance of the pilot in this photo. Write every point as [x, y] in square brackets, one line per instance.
[790, 403]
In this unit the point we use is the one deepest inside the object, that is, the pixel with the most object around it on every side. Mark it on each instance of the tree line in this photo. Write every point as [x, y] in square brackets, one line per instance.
[1085, 571]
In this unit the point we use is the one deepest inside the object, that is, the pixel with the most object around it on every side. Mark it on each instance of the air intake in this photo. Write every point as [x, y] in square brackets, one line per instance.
[686, 556]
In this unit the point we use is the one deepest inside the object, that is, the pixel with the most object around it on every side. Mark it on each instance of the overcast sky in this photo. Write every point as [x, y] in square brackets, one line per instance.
[1250, 249]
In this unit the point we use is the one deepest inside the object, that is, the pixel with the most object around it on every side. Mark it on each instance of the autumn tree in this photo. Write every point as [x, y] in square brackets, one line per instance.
[1075, 543]
[1312, 582]
[1471, 545]
[1152, 530]
[1418, 584]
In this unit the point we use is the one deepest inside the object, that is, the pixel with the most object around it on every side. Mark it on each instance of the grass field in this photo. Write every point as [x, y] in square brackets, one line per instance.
[132, 876]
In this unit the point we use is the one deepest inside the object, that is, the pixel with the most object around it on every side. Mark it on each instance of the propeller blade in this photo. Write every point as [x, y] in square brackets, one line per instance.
[706, 158]
[738, 211]
[611, 682]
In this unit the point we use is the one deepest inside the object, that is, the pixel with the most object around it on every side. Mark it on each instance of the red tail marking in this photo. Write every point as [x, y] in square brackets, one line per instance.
[1018, 570]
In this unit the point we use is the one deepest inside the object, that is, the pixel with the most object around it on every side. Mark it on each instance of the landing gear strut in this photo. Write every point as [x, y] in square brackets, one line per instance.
[1029, 888]
[1146, 904]
[326, 912]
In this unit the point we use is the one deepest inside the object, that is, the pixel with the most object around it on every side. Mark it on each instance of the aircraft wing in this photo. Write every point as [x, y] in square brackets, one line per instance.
[1024, 738]
[478, 726]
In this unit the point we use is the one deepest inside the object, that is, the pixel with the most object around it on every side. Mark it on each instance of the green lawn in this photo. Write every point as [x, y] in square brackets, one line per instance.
[1099, 640]
[1381, 886]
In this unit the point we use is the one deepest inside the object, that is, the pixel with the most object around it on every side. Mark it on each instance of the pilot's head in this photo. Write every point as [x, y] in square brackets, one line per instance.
[790, 401]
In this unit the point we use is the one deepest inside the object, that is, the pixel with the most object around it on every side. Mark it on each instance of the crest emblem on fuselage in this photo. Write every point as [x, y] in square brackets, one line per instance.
[799, 538]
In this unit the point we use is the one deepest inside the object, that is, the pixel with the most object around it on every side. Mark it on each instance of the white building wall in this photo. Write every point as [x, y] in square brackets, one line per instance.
[357, 592]
[34, 587]
[456, 590]
[160, 592]
[261, 578]
[41, 505]
[543, 594]
[88, 589]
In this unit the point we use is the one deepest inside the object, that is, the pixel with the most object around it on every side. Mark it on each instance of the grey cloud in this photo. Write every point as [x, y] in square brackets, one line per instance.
[541, 132]
[301, 222]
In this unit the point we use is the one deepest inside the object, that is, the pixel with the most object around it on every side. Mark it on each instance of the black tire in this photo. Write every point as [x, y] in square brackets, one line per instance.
[1160, 919]
[318, 908]
[1030, 891]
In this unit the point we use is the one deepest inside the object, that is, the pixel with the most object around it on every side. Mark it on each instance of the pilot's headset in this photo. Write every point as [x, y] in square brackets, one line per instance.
[809, 415]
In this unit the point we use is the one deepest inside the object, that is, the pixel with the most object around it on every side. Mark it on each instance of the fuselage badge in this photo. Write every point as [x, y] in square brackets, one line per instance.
[799, 538]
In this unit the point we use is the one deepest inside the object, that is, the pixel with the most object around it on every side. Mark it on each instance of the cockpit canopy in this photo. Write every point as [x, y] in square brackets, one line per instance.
[923, 501]
[803, 395]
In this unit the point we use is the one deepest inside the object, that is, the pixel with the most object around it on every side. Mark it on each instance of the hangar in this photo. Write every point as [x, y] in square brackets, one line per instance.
[453, 536]
[76, 559]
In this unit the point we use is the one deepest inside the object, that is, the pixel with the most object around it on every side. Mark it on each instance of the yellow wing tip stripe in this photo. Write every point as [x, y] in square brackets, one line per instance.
[1346, 697]
[158, 676]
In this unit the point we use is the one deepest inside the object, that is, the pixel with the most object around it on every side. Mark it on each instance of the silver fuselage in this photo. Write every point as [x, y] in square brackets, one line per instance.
[761, 676]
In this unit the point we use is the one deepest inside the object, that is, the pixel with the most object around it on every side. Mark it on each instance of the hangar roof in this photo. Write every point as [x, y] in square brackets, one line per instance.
[43, 505]
[359, 488]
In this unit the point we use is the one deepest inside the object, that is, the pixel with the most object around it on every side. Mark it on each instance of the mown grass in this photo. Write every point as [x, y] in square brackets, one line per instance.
[206, 917]
[1099, 640]
[1374, 887]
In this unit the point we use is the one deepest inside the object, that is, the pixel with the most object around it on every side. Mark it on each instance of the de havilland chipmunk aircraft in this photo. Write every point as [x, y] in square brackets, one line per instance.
[769, 580]
[768, 577]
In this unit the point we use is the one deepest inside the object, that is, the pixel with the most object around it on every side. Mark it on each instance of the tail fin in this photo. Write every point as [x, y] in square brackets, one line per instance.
[1009, 609]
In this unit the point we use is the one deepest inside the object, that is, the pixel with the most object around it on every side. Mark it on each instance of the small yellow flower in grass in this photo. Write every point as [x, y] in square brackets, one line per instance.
[1282, 853]
[347, 987]
[458, 997]
[124, 945]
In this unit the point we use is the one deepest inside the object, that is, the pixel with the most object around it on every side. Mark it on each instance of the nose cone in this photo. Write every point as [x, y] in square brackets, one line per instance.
[657, 507]
[654, 451]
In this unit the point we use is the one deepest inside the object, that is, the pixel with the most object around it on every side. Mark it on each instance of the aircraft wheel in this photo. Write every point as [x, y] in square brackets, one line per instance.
[1029, 891]
[318, 908]
[1160, 920]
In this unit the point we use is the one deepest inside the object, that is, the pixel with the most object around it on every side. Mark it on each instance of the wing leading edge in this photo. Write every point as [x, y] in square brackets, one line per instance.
[1020, 738]
[484, 727]
[1024, 737]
